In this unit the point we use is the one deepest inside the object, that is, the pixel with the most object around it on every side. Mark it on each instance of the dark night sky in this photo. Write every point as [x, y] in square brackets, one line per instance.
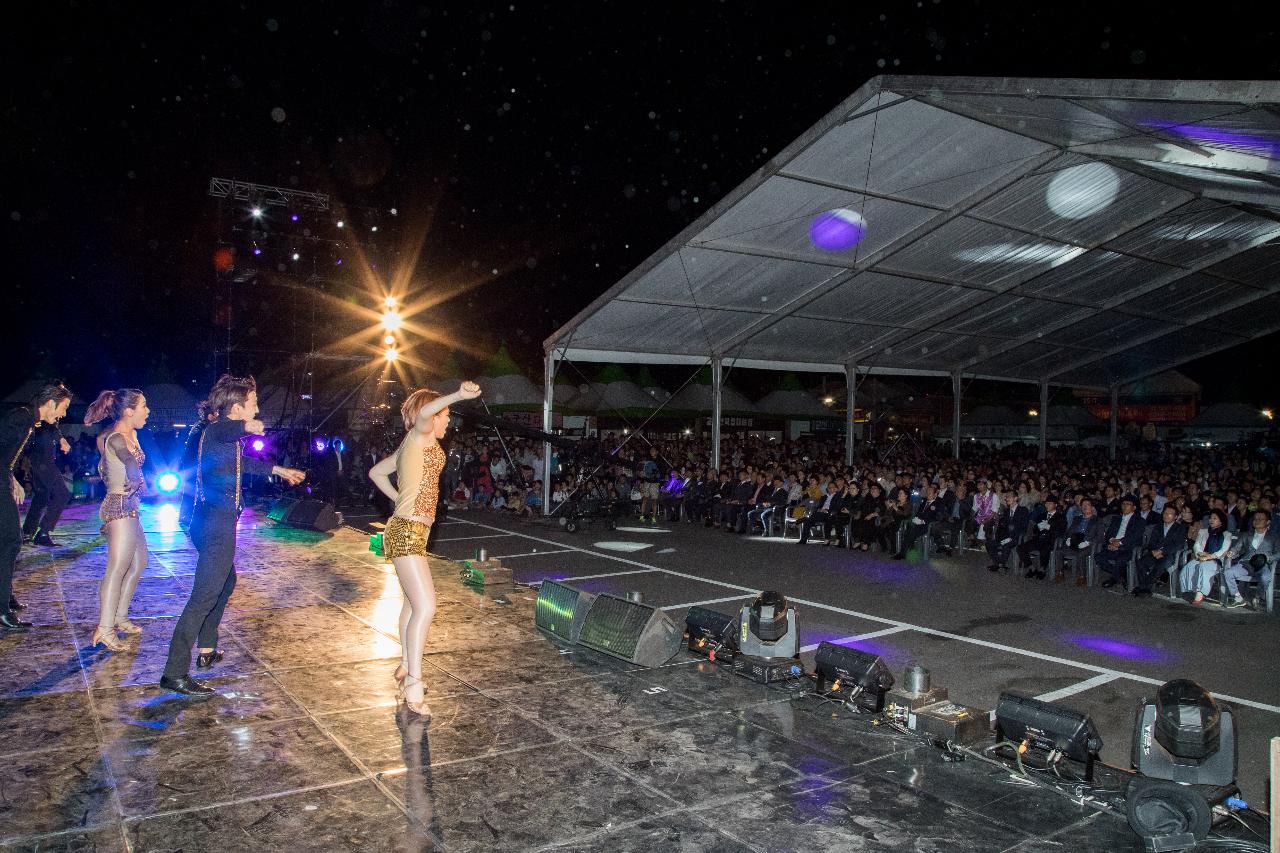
[558, 143]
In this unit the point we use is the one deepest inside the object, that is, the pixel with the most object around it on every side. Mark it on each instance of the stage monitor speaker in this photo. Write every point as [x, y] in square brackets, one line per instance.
[632, 631]
[852, 674]
[561, 609]
[1047, 727]
[308, 514]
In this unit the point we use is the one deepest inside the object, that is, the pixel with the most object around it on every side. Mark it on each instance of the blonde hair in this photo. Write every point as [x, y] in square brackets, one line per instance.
[414, 404]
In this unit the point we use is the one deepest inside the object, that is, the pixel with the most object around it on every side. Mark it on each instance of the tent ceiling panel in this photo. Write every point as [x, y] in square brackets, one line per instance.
[723, 280]
[1058, 121]
[776, 218]
[1092, 277]
[1195, 230]
[894, 300]
[1085, 204]
[914, 152]
[807, 339]
[1082, 232]
[659, 328]
[1184, 298]
[979, 253]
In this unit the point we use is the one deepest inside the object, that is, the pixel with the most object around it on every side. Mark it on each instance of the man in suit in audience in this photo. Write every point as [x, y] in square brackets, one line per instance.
[738, 497]
[1253, 558]
[1162, 550]
[933, 512]
[1083, 536]
[761, 488]
[1124, 535]
[1047, 531]
[764, 511]
[830, 505]
[1010, 527]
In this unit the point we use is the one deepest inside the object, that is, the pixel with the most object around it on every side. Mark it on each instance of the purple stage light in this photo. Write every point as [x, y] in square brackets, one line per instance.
[320, 445]
[837, 230]
[1261, 145]
[294, 218]
[257, 251]
[258, 445]
[1117, 648]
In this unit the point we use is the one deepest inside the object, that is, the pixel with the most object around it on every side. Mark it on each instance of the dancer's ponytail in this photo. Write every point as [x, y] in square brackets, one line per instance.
[100, 408]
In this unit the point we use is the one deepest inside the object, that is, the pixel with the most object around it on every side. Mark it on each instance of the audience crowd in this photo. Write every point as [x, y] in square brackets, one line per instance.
[1189, 517]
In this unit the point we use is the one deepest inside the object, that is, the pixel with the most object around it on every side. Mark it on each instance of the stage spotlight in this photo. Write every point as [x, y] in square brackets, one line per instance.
[1048, 728]
[767, 627]
[1184, 736]
[374, 228]
[850, 674]
[339, 445]
[320, 444]
[341, 224]
[391, 354]
[296, 256]
[293, 218]
[168, 483]
[256, 213]
[393, 211]
[391, 320]
[258, 445]
[390, 302]
[257, 251]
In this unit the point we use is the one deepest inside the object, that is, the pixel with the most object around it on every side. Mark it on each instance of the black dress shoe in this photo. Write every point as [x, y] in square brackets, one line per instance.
[186, 685]
[204, 660]
[43, 540]
[9, 622]
[14, 604]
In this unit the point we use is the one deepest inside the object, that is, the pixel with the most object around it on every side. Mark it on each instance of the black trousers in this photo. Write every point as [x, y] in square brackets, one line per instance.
[49, 496]
[213, 531]
[1043, 544]
[807, 523]
[1150, 568]
[10, 545]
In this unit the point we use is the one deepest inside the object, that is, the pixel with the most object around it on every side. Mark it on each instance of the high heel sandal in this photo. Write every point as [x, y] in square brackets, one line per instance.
[107, 638]
[400, 680]
[124, 626]
[417, 708]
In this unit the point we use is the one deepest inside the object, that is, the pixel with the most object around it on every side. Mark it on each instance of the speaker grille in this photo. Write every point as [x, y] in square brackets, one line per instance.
[615, 625]
[557, 610]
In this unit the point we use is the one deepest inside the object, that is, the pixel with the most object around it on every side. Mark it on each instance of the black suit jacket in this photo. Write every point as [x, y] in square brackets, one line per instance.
[1132, 533]
[1173, 541]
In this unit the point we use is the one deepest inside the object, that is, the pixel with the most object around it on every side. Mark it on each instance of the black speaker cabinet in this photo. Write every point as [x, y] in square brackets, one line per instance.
[308, 514]
[634, 632]
[561, 609]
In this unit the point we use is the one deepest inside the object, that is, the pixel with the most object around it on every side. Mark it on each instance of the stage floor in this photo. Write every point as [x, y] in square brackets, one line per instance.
[531, 745]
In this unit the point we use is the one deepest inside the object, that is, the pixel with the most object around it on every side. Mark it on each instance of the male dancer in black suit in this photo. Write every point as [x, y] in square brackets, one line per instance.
[49, 492]
[219, 464]
[15, 430]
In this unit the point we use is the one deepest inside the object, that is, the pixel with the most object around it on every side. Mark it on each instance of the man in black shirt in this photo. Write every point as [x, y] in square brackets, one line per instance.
[49, 493]
[15, 430]
[219, 465]
[205, 416]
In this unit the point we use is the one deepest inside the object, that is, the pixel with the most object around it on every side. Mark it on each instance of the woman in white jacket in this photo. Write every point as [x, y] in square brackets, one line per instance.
[1209, 553]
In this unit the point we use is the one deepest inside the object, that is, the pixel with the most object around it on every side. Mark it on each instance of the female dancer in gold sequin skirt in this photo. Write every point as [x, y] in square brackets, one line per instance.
[417, 463]
[120, 466]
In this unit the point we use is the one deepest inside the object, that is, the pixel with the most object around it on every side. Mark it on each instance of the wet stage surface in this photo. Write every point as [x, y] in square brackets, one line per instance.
[531, 745]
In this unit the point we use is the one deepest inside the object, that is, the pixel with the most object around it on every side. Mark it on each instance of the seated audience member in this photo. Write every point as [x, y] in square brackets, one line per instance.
[1207, 556]
[1253, 558]
[1044, 535]
[1007, 531]
[1161, 555]
[1082, 540]
[929, 516]
[1123, 536]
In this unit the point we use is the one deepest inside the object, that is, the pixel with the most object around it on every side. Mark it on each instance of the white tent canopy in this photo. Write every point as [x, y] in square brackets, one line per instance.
[1075, 233]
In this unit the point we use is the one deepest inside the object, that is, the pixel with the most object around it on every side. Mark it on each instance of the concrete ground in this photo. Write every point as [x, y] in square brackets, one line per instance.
[979, 633]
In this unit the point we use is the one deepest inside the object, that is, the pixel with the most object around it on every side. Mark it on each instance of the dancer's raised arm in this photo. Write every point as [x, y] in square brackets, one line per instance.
[422, 424]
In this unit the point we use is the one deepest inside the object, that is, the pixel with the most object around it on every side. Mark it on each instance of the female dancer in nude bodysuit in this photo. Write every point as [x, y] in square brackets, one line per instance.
[121, 470]
[417, 463]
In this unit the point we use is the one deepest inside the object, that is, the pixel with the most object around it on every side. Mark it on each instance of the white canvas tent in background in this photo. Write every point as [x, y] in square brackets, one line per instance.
[1059, 232]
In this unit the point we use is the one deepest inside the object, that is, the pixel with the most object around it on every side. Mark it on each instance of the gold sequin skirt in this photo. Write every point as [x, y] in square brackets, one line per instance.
[404, 538]
[115, 507]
